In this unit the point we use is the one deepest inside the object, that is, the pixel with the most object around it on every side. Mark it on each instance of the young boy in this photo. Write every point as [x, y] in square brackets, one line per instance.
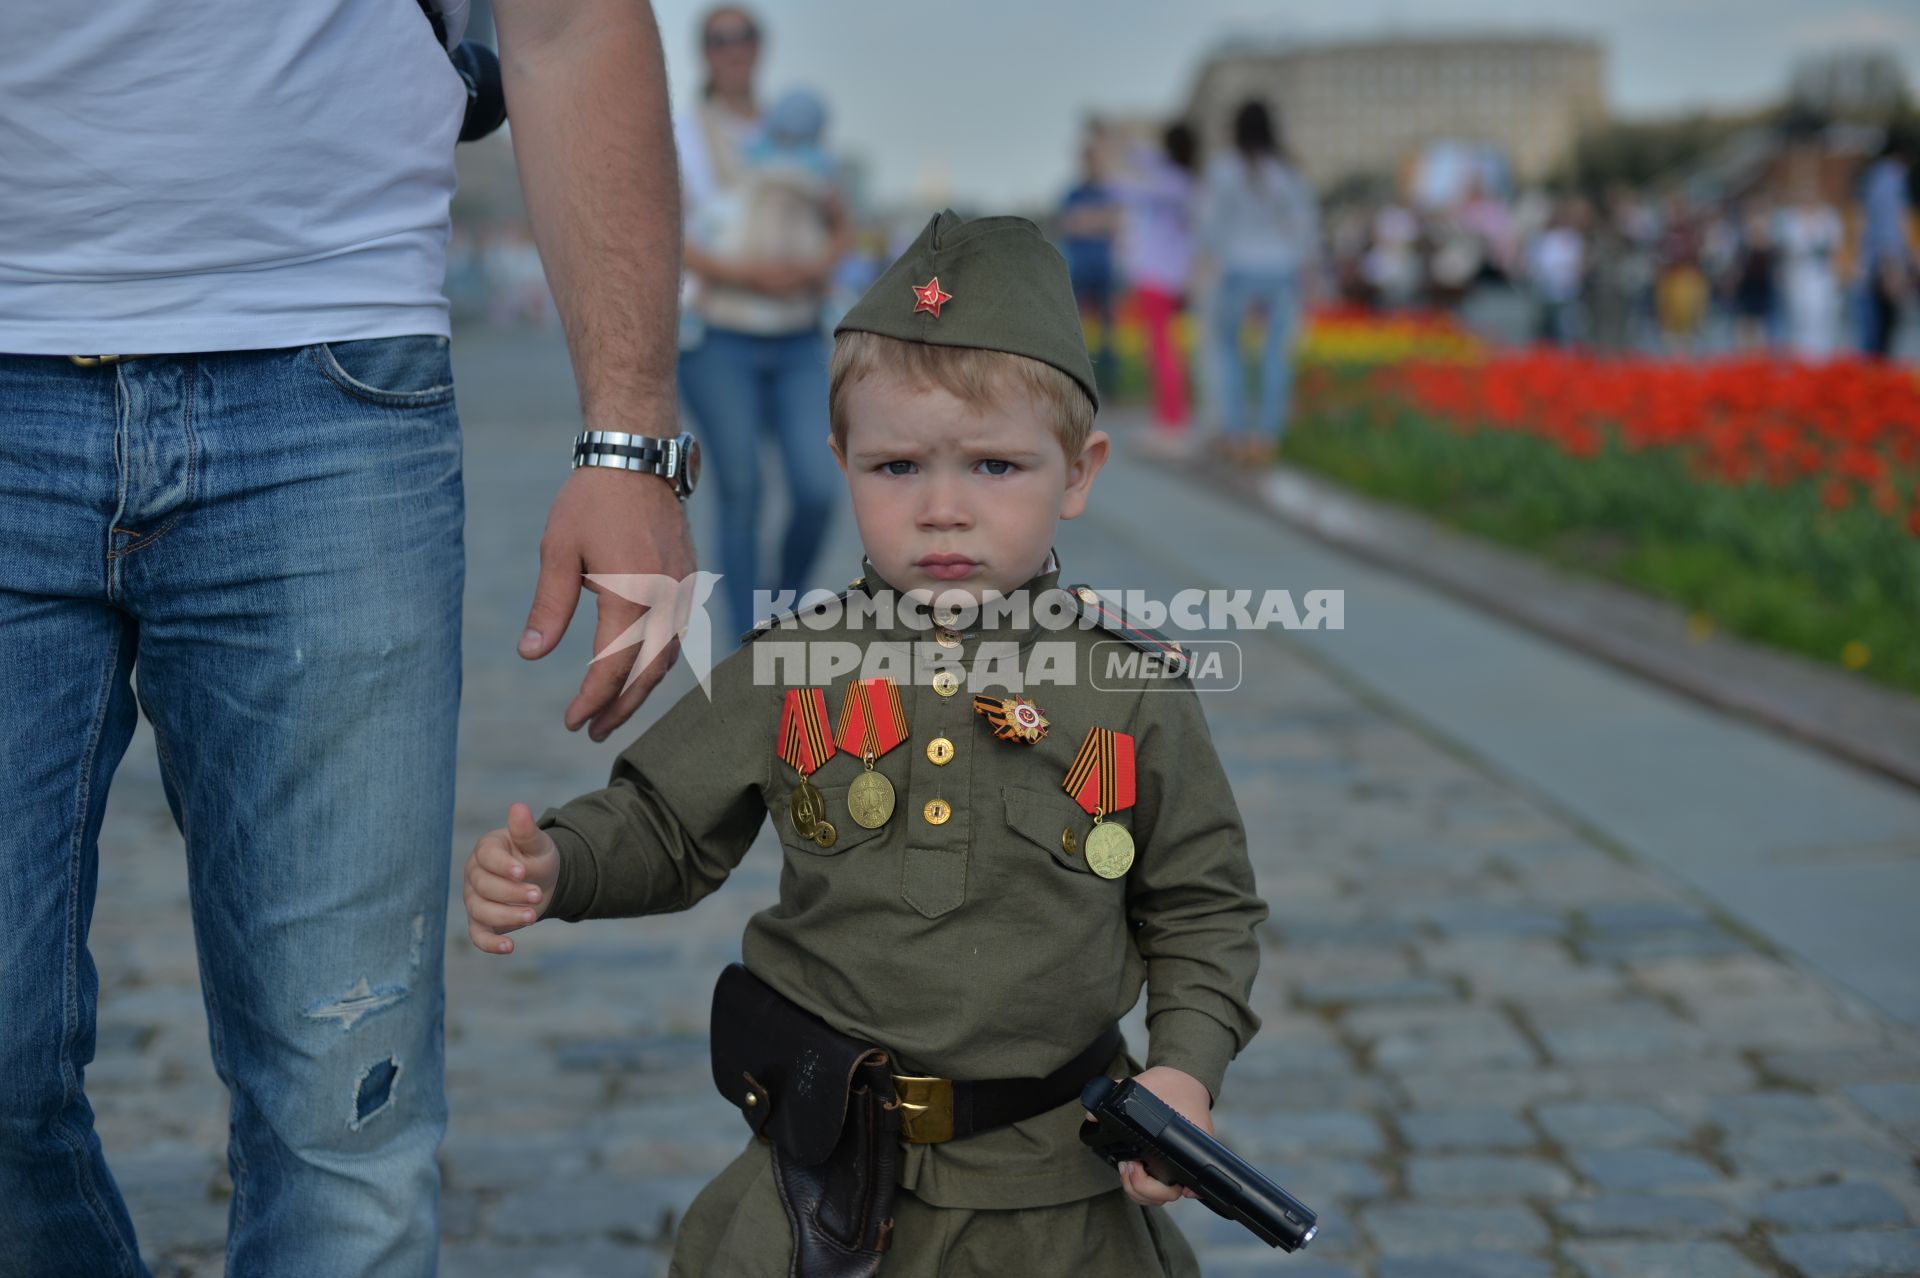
[1046, 855]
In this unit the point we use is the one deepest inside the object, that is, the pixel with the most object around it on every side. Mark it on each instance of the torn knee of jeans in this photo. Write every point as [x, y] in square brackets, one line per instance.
[373, 1091]
[357, 1002]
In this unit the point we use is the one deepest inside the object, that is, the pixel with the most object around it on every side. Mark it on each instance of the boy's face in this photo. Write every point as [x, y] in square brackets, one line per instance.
[952, 496]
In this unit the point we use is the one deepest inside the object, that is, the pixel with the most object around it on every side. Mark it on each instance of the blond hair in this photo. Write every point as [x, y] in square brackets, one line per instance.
[973, 376]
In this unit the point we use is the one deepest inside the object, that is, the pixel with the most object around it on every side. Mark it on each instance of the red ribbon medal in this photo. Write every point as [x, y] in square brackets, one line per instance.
[872, 719]
[803, 730]
[1101, 781]
[872, 722]
[804, 744]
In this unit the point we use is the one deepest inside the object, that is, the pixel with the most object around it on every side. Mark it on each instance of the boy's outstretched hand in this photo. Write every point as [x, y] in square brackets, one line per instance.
[510, 878]
[1188, 1097]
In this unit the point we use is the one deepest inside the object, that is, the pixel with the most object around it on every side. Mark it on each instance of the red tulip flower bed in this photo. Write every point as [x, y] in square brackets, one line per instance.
[1780, 501]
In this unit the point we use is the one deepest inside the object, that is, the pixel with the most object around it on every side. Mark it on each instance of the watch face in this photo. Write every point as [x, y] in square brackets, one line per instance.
[691, 470]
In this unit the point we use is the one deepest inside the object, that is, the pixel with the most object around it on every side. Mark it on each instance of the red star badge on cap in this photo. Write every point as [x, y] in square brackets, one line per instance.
[928, 297]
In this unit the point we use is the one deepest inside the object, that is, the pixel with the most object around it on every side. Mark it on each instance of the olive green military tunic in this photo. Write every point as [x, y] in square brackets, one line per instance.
[978, 945]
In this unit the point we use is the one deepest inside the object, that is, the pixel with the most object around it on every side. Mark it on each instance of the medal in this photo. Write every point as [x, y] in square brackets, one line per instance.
[803, 744]
[1109, 849]
[870, 799]
[1101, 782]
[872, 722]
[806, 806]
[1013, 718]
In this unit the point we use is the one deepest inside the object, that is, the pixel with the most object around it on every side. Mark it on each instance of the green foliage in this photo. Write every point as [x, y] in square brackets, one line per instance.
[1770, 564]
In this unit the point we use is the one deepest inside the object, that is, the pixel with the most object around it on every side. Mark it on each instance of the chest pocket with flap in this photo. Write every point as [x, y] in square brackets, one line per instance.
[1044, 819]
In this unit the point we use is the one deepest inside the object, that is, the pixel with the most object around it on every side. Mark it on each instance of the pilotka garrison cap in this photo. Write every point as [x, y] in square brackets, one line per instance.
[993, 283]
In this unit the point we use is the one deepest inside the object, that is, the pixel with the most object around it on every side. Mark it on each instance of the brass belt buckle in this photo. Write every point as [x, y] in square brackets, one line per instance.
[926, 1108]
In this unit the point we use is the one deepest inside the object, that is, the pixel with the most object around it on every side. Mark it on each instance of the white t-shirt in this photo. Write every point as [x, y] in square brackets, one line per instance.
[1259, 218]
[181, 175]
[1156, 235]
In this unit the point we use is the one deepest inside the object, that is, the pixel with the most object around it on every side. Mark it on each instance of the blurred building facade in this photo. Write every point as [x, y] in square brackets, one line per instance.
[1366, 107]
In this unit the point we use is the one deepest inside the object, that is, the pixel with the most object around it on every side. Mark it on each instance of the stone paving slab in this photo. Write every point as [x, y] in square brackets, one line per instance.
[1815, 853]
[1453, 1068]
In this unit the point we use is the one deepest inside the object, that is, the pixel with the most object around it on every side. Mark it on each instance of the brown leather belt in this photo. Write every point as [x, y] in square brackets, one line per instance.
[940, 1109]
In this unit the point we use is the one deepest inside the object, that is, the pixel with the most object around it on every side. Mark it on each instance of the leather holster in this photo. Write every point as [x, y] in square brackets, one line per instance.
[826, 1103]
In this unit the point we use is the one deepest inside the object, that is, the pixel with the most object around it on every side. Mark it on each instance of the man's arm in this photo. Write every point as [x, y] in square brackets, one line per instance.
[586, 92]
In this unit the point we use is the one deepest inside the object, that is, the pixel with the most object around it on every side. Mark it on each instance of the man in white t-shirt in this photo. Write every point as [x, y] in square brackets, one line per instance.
[230, 497]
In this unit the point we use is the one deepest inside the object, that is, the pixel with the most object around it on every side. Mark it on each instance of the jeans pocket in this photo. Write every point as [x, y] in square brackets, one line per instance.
[934, 880]
[396, 372]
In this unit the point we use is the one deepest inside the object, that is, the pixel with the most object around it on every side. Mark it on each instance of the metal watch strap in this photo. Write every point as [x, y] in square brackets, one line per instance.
[622, 451]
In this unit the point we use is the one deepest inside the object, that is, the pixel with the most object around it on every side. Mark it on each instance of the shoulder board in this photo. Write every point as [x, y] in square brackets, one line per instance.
[767, 625]
[1110, 618]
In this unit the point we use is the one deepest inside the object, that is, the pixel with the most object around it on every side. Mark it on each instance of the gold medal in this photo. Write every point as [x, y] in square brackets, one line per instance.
[804, 745]
[824, 834]
[870, 798]
[1101, 781]
[1109, 849]
[807, 808]
[873, 720]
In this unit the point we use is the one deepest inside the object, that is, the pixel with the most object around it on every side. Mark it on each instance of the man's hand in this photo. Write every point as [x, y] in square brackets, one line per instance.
[510, 878]
[1188, 1097]
[594, 143]
[606, 521]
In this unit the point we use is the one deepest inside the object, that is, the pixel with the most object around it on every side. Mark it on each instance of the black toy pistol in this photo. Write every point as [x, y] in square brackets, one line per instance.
[1136, 1125]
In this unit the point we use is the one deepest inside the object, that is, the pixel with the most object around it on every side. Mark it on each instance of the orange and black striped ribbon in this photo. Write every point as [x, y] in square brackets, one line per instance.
[872, 718]
[1101, 778]
[803, 730]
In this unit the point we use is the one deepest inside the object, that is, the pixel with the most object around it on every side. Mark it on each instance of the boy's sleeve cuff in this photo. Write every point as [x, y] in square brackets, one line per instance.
[1193, 1043]
[579, 877]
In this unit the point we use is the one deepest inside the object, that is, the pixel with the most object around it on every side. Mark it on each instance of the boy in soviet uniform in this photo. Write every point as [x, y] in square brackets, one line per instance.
[948, 893]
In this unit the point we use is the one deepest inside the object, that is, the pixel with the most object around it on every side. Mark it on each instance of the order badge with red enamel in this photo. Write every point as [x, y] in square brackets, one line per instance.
[1013, 718]
[929, 297]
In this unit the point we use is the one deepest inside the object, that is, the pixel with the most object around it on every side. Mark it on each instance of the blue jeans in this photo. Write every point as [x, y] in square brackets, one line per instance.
[738, 384]
[261, 551]
[1278, 292]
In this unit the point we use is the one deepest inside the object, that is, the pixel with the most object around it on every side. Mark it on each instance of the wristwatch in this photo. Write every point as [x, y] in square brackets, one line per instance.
[675, 460]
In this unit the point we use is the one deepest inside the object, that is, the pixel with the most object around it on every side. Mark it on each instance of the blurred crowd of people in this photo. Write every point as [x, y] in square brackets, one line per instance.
[1215, 251]
[1793, 272]
[1233, 236]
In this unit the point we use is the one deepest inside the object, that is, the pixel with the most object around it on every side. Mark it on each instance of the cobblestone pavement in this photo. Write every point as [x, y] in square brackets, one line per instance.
[1492, 1046]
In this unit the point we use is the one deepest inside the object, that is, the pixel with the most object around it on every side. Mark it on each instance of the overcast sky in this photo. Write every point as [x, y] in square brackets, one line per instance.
[987, 95]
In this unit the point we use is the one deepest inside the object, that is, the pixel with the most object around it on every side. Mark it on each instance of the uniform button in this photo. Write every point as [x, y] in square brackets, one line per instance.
[1086, 595]
[1067, 841]
[946, 682]
[936, 812]
[947, 637]
[946, 616]
[940, 750]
